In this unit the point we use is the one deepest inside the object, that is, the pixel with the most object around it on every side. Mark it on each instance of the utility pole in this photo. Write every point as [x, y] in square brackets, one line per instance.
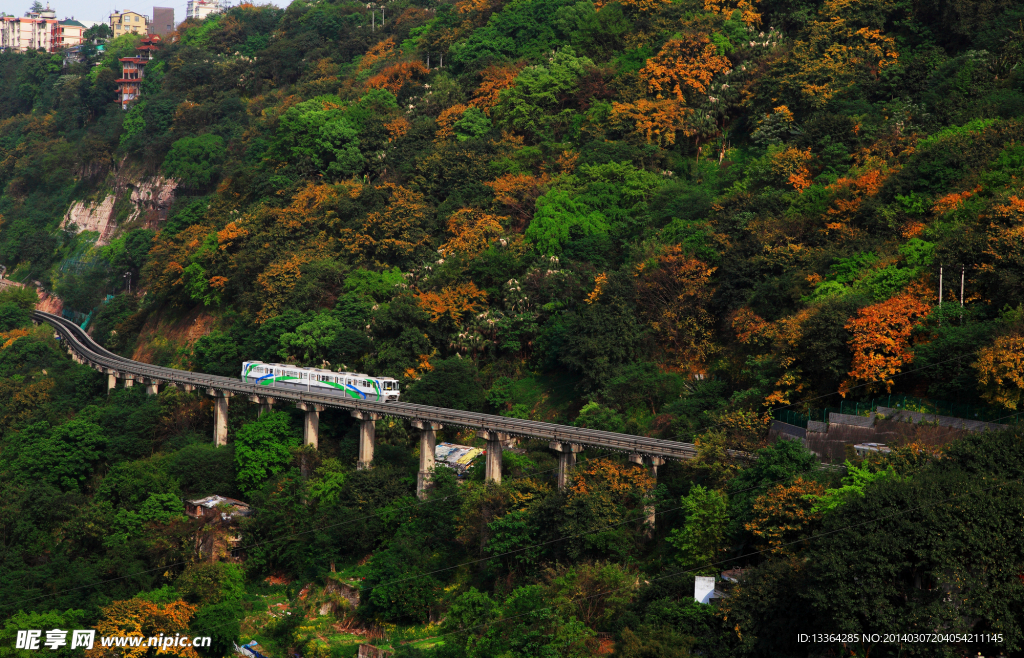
[940, 286]
[963, 268]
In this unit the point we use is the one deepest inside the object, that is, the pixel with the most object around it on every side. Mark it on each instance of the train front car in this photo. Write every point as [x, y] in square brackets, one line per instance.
[352, 385]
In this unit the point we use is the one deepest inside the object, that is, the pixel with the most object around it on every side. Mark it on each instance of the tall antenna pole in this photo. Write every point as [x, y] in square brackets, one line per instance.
[962, 269]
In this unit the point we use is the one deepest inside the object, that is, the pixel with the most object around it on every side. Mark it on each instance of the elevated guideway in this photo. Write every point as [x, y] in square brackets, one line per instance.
[498, 431]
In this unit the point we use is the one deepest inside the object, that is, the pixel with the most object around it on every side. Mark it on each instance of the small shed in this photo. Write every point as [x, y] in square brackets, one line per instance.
[456, 457]
[865, 449]
[228, 509]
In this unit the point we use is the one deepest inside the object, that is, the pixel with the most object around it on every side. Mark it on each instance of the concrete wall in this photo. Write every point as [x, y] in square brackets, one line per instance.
[941, 421]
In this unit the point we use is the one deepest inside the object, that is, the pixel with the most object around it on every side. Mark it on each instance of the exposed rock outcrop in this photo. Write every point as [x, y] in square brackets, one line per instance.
[150, 200]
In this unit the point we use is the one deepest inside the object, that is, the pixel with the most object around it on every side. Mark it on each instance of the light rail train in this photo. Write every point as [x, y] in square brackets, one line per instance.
[345, 384]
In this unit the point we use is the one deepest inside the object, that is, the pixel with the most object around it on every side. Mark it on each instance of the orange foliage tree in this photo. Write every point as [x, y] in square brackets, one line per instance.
[673, 294]
[850, 193]
[1001, 372]
[837, 51]
[453, 302]
[606, 475]
[683, 67]
[169, 256]
[495, 79]
[377, 53]
[790, 165]
[881, 340]
[277, 281]
[394, 77]
[139, 618]
[641, 6]
[446, 121]
[390, 236]
[472, 232]
[656, 122]
[518, 194]
[783, 513]
[747, 11]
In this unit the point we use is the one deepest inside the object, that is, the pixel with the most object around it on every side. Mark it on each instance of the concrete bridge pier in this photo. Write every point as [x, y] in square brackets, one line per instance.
[266, 403]
[367, 438]
[492, 472]
[129, 381]
[152, 387]
[220, 415]
[652, 464]
[311, 423]
[428, 441]
[111, 381]
[566, 460]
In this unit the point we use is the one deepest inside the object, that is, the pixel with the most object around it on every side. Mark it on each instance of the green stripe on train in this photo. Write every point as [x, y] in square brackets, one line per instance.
[351, 393]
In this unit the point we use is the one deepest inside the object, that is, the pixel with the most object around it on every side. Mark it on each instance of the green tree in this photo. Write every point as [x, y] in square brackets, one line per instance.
[594, 416]
[316, 136]
[561, 218]
[27, 621]
[13, 316]
[263, 449]
[539, 104]
[195, 161]
[312, 342]
[64, 456]
[453, 383]
[21, 296]
[472, 125]
[699, 541]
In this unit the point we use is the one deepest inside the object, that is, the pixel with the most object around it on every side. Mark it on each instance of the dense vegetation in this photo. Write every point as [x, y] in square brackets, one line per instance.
[664, 217]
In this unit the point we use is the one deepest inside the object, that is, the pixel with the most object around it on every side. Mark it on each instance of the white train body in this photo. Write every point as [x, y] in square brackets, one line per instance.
[345, 384]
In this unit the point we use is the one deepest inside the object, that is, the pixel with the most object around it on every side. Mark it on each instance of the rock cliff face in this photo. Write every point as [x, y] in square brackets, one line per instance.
[153, 198]
[150, 199]
[93, 217]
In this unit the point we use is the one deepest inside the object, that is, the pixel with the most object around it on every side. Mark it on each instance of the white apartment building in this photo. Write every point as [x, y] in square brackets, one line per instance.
[30, 32]
[200, 9]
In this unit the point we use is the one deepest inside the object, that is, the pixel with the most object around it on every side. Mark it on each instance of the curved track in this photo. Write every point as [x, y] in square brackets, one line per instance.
[81, 344]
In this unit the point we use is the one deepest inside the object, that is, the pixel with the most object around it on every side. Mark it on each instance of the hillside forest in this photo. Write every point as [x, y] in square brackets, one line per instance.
[682, 219]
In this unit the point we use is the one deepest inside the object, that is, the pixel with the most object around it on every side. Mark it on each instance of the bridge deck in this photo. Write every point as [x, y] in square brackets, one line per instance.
[92, 353]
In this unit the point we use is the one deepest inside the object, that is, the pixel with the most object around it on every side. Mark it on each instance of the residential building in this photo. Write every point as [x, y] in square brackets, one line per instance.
[129, 85]
[31, 32]
[128, 22]
[200, 9]
[67, 33]
[163, 21]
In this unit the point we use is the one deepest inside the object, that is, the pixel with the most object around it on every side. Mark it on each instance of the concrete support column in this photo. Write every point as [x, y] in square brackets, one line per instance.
[111, 381]
[428, 441]
[566, 460]
[367, 438]
[129, 381]
[152, 387]
[220, 415]
[266, 403]
[311, 425]
[652, 464]
[188, 388]
[492, 472]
